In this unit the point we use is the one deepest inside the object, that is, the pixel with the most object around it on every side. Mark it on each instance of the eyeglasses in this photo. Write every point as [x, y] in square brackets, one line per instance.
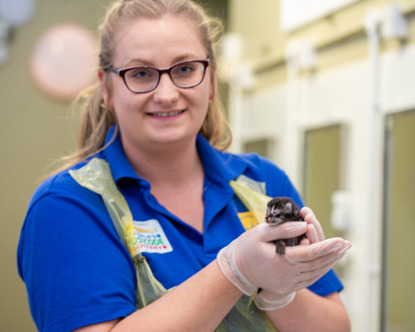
[185, 75]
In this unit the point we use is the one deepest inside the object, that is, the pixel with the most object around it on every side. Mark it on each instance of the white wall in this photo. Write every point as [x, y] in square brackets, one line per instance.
[296, 13]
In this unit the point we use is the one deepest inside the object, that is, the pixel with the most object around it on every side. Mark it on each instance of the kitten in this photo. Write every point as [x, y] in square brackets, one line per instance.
[281, 210]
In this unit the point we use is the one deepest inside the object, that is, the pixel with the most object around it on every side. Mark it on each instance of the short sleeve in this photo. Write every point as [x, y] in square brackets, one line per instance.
[328, 284]
[77, 271]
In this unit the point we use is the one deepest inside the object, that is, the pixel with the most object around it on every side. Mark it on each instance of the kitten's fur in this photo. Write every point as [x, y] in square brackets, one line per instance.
[281, 210]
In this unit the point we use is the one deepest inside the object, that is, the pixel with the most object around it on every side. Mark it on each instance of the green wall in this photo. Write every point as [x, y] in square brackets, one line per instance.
[35, 130]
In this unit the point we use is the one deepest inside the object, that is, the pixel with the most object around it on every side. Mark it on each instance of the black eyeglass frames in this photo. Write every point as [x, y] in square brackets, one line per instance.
[184, 74]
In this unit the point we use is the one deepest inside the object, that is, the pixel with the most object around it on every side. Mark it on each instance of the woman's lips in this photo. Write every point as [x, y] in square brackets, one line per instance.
[166, 114]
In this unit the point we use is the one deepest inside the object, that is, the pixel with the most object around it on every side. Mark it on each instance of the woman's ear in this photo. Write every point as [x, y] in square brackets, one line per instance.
[101, 75]
[213, 88]
[104, 89]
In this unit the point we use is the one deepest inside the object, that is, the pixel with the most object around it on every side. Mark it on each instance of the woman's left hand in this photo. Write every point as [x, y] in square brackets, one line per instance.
[267, 300]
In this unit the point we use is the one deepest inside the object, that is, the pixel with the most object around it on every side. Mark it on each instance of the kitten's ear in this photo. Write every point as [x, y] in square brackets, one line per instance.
[296, 211]
[288, 208]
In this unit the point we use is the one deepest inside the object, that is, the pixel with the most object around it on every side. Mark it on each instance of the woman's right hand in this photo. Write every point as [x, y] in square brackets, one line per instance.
[251, 262]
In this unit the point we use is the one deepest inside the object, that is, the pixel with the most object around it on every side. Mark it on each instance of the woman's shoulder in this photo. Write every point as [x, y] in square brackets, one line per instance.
[60, 183]
[258, 163]
[276, 180]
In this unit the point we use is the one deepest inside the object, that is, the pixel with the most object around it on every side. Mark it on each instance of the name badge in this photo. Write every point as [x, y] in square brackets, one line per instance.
[150, 237]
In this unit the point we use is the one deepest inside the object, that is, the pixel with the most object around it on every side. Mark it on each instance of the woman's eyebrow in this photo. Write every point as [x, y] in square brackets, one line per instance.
[143, 62]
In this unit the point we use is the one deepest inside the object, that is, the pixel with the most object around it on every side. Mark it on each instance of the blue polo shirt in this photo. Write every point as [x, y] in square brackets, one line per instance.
[78, 272]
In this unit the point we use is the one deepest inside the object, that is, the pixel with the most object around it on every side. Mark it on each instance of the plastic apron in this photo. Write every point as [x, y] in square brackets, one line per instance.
[96, 176]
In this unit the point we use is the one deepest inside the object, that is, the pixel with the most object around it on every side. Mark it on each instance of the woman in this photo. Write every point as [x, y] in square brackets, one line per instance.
[155, 120]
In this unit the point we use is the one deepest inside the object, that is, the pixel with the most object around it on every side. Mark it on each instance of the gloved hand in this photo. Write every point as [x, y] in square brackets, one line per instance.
[323, 254]
[250, 261]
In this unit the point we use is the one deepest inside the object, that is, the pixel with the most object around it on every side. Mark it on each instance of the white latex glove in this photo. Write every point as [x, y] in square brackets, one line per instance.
[314, 231]
[250, 261]
[322, 254]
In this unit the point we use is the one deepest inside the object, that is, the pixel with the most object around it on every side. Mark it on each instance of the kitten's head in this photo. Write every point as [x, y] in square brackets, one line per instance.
[280, 210]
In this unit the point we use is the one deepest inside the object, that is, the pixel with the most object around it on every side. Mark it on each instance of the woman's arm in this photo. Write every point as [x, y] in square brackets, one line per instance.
[207, 297]
[311, 312]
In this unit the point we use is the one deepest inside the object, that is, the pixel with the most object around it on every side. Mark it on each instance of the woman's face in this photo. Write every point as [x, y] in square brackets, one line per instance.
[168, 114]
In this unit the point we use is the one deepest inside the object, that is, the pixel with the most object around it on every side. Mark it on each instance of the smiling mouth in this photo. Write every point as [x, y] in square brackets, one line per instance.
[166, 114]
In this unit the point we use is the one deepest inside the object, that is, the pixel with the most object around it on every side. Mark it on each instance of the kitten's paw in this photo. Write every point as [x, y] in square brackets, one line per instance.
[280, 248]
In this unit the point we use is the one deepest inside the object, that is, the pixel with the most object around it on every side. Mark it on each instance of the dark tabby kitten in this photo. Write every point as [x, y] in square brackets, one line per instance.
[280, 210]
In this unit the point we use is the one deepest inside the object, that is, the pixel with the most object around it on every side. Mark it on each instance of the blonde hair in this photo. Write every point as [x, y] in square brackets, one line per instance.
[97, 118]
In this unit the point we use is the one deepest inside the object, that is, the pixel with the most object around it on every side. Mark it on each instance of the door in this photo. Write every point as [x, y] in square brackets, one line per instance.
[322, 172]
[398, 295]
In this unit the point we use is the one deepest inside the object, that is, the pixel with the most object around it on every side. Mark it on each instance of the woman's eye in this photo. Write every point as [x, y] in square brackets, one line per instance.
[186, 69]
[142, 74]
[139, 74]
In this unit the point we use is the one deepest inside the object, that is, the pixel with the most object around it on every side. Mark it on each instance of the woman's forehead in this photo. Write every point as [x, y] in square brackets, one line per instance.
[150, 40]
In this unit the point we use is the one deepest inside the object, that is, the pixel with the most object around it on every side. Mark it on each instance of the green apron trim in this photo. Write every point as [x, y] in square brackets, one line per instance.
[252, 195]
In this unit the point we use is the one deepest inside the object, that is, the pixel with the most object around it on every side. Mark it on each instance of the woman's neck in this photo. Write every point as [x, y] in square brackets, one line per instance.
[176, 176]
[169, 165]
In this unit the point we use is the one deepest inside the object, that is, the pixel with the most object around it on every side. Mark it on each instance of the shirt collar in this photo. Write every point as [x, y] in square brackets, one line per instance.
[219, 166]
[116, 157]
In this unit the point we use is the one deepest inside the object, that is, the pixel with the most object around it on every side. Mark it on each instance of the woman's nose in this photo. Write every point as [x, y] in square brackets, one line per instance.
[166, 91]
